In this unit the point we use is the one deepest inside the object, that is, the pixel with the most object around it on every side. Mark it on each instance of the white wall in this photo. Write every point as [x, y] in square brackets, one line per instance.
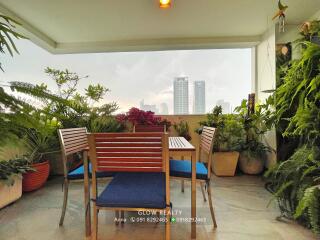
[266, 80]
[316, 16]
[266, 64]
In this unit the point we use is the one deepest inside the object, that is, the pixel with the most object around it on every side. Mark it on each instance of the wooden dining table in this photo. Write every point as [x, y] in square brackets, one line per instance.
[179, 147]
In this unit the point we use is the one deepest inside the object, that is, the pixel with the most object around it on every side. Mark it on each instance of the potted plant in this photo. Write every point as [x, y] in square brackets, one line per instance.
[310, 31]
[256, 123]
[40, 142]
[225, 150]
[182, 129]
[11, 179]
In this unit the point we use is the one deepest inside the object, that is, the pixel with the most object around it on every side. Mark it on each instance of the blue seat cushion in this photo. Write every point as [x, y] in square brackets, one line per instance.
[134, 190]
[78, 173]
[182, 168]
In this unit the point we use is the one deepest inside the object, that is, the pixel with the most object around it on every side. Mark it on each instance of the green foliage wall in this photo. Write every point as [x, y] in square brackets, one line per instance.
[296, 181]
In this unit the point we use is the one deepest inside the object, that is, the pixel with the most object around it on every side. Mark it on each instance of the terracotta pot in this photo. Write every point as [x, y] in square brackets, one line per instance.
[9, 194]
[35, 180]
[224, 164]
[250, 165]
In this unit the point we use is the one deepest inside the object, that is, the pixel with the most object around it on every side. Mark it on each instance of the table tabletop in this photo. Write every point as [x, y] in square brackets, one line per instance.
[180, 143]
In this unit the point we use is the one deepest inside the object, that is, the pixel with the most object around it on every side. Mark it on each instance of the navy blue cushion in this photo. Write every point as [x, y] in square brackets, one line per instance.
[78, 173]
[134, 190]
[179, 168]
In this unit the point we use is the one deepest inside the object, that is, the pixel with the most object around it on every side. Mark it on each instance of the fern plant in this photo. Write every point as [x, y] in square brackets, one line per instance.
[7, 34]
[309, 206]
[290, 180]
[295, 181]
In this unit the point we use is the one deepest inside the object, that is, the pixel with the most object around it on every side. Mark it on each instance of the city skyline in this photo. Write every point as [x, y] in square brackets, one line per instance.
[133, 76]
[148, 107]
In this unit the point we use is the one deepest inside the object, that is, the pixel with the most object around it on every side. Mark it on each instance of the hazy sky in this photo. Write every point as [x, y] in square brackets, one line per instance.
[133, 76]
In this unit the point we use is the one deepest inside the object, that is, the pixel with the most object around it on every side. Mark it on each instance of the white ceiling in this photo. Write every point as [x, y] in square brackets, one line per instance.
[64, 26]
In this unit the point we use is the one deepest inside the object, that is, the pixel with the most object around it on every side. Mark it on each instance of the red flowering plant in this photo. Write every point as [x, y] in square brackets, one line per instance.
[135, 116]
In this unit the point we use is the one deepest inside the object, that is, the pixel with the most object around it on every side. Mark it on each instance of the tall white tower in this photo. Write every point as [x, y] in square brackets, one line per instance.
[181, 95]
[199, 104]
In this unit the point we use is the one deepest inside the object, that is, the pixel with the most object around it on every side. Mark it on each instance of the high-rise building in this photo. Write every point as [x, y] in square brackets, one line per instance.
[226, 108]
[199, 103]
[164, 109]
[181, 95]
[147, 107]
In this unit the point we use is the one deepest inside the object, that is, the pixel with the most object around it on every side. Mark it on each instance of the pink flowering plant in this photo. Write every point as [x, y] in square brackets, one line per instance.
[135, 116]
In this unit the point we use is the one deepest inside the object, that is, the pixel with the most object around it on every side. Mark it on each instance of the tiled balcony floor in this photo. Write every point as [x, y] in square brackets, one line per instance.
[240, 204]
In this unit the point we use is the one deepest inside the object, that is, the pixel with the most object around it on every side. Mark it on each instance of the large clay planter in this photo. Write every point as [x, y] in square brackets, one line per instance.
[250, 165]
[35, 180]
[224, 164]
[11, 193]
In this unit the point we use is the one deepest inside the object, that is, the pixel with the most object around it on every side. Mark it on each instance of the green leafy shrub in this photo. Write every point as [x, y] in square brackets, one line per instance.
[229, 133]
[13, 167]
[182, 129]
[37, 123]
[255, 125]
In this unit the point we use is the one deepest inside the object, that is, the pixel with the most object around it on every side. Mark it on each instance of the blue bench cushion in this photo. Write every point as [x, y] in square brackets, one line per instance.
[179, 168]
[78, 173]
[134, 190]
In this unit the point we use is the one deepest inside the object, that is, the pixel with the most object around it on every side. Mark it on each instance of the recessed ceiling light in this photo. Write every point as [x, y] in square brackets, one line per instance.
[165, 3]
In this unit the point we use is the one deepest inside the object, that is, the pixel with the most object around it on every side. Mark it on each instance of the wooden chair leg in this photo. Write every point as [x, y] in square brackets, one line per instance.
[122, 217]
[211, 206]
[182, 181]
[182, 185]
[95, 223]
[168, 226]
[65, 201]
[116, 215]
[203, 192]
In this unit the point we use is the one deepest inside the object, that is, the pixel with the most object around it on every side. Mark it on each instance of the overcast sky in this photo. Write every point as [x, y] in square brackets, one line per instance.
[134, 76]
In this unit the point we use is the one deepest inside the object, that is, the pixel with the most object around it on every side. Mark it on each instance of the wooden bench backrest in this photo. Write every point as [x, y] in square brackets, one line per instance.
[128, 152]
[149, 128]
